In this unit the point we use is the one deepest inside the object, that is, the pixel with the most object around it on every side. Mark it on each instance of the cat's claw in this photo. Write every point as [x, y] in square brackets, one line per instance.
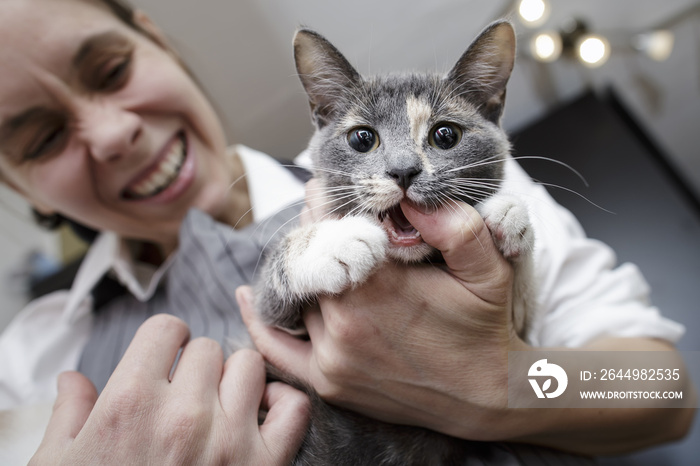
[334, 255]
[508, 220]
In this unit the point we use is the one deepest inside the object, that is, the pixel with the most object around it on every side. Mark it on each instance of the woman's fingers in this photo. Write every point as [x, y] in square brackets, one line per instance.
[199, 367]
[284, 351]
[242, 385]
[461, 236]
[288, 412]
[154, 349]
[75, 400]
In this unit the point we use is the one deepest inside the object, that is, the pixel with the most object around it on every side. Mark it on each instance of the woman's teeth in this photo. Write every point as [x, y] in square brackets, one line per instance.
[164, 174]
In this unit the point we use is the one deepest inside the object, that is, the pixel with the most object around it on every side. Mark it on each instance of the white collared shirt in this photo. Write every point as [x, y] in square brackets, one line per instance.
[47, 337]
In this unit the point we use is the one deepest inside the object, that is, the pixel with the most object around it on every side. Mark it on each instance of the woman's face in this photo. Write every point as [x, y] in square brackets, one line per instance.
[101, 124]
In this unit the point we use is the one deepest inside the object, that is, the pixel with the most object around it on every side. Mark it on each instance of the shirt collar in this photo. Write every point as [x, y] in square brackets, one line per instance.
[271, 188]
[96, 264]
[111, 252]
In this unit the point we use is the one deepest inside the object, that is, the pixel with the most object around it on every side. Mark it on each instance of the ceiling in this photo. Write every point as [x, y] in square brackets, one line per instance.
[241, 51]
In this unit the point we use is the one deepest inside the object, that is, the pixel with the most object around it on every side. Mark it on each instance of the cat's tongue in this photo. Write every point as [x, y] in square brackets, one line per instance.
[399, 229]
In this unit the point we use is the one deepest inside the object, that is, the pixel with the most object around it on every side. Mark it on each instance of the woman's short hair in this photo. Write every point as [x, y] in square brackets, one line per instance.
[122, 10]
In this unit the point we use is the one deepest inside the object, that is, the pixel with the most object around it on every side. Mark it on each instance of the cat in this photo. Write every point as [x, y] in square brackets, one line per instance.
[378, 141]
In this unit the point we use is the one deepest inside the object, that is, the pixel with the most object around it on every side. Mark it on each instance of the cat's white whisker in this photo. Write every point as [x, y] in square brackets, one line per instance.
[294, 218]
[236, 181]
[467, 183]
[456, 206]
[364, 207]
[333, 171]
[476, 193]
[339, 207]
[488, 161]
[558, 162]
[550, 185]
[475, 197]
[297, 203]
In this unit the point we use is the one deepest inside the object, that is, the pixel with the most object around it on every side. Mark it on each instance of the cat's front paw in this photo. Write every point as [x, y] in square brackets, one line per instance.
[508, 220]
[334, 255]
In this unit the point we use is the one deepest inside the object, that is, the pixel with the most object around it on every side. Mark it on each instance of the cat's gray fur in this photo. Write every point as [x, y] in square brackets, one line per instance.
[343, 250]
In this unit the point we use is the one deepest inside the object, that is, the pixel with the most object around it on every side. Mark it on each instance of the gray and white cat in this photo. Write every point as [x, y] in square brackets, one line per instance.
[425, 138]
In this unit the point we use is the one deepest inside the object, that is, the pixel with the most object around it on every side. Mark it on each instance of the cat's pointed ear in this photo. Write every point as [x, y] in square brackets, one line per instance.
[483, 70]
[325, 73]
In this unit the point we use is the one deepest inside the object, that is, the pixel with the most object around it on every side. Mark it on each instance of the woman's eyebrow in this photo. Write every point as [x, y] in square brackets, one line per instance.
[96, 44]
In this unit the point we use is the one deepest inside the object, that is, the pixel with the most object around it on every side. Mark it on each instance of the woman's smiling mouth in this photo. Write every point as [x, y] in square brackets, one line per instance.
[161, 175]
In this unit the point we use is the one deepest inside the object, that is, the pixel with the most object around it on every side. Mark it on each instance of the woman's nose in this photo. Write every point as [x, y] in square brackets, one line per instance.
[110, 131]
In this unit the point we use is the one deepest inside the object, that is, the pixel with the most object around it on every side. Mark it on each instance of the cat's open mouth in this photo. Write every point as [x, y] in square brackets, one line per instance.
[399, 230]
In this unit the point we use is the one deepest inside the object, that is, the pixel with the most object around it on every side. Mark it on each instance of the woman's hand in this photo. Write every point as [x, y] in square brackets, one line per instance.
[205, 412]
[424, 345]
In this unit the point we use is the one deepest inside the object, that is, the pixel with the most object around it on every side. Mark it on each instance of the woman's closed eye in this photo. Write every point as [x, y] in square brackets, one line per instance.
[113, 75]
[34, 134]
[49, 140]
[104, 62]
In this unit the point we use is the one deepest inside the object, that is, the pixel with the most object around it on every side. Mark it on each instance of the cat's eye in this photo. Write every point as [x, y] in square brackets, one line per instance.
[363, 139]
[445, 136]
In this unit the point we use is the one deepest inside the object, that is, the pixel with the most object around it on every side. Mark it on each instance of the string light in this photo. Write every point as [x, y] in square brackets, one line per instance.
[546, 46]
[533, 12]
[574, 39]
[593, 50]
[657, 45]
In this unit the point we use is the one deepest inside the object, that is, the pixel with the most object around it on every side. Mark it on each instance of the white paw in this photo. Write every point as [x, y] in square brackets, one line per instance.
[507, 219]
[331, 256]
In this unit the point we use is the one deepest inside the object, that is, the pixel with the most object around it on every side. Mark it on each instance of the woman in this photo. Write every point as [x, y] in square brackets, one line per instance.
[102, 124]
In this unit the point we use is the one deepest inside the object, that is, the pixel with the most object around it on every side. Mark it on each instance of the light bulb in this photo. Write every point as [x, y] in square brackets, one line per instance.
[546, 46]
[658, 45]
[593, 50]
[533, 12]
